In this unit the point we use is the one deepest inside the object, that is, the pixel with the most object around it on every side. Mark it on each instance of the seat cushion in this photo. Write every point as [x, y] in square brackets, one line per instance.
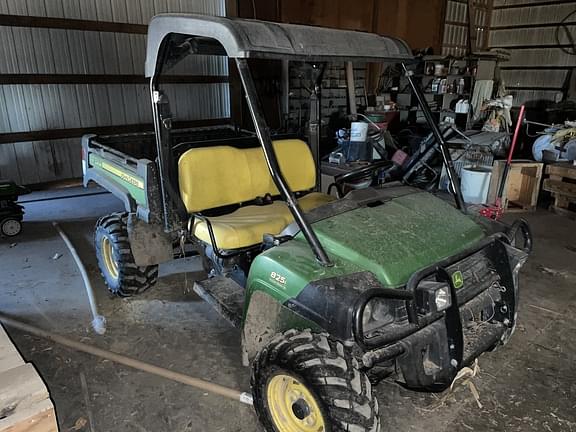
[247, 225]
[217, 176]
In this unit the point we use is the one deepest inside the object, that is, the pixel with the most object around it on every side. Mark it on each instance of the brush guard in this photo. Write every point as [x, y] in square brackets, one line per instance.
[431, 348]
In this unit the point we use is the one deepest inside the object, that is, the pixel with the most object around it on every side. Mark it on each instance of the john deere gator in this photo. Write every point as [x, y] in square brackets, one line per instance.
[330, 294]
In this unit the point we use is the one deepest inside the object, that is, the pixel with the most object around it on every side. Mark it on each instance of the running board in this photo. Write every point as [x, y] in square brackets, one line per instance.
[225, 295]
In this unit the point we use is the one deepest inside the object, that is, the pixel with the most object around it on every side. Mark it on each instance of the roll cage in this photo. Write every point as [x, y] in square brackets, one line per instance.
[171, 37]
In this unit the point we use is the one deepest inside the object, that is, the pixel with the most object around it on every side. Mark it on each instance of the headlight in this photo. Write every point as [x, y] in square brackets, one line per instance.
[442, 298]
[380, 312]
[433, 296]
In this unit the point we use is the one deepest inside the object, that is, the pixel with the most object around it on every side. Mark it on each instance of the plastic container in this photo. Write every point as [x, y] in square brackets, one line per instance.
[461, 86]
[463, 106]
[359, 131]
[475, 184]
[439, 69]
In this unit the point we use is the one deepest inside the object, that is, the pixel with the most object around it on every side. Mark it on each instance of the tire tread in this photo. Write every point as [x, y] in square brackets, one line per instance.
[132, 279]
[344, 390]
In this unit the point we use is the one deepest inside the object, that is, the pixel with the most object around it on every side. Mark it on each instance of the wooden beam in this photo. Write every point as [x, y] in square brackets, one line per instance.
[476, 4]
[535, 88]
[24, 401]
[538, 67]
[8, 79]
[472, 35]
[542, 46]
[560, 187]
[456, 23]
[55, 134]
[71, 24]
[231, 8]
[533, 4]
[442, 26]
[530, 26]
[351, 89]
[562, 169]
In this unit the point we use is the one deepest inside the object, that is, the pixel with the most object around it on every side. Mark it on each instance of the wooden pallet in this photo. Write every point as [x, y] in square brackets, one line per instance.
[561, 182]
[25, 404]
[522, 185]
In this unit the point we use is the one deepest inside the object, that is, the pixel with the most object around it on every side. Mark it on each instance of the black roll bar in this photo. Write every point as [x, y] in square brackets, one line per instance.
[160, 132]
[454, 182]
[263, 134]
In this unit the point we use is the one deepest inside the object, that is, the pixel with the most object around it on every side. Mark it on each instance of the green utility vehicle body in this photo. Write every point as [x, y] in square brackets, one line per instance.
[129, 180]
[473, 253]
[385, 280]
[410, 242]
[124, 165]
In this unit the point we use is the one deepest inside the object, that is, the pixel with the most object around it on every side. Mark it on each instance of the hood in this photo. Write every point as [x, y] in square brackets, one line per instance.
[395, 239]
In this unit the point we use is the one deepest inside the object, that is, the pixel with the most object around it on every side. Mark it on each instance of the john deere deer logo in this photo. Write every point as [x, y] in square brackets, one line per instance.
[457, 279]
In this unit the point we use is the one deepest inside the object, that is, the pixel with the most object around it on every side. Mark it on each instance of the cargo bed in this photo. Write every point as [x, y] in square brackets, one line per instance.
[126, 164]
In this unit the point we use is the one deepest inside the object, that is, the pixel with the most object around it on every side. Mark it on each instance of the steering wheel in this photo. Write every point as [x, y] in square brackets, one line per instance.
[359, 173]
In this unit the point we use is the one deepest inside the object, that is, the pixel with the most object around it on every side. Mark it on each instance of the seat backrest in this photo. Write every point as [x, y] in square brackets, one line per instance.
[211, 177]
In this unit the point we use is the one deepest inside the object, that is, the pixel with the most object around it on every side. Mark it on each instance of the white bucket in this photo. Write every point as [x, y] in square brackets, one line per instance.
[475, 184]
[359, 131]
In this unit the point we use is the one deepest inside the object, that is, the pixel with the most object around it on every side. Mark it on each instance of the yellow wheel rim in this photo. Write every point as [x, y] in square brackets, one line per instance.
[109, 261]
[292, 406]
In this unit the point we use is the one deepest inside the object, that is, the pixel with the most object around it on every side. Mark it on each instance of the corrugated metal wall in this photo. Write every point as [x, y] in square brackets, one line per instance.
[538, 68]
[56, 106]
[455, 40]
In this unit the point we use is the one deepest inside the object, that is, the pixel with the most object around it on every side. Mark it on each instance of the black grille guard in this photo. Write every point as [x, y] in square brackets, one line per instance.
[493, 244]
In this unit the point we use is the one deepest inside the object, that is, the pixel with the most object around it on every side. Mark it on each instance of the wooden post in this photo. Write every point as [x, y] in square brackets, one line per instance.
[351, 88]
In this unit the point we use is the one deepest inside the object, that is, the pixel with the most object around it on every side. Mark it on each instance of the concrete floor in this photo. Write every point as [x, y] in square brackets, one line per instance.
[530, 385]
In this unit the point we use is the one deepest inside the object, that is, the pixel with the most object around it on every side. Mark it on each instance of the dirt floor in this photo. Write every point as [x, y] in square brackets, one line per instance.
[530, 385]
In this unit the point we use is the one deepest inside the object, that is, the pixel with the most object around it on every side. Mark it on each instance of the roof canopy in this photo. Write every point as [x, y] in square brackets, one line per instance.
[242, 38]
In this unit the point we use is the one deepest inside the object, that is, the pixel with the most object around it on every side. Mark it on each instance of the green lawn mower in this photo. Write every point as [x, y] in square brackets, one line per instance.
[11, 213]
[330, 294]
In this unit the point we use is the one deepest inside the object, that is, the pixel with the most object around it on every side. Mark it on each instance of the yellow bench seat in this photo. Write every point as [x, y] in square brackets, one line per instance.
[218, 176]
[247, 225]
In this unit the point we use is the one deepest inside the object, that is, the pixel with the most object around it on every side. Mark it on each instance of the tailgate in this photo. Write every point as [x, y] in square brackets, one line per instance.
[124, 176]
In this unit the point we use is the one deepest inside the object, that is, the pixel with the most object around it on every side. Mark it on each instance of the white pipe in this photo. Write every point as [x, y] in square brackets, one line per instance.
[98, 321]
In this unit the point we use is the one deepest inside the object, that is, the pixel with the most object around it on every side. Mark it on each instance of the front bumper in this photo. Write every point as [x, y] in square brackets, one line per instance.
[433, 355]
[430, 349]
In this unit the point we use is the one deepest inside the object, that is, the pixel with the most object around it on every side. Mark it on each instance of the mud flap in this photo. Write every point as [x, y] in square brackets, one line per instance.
[149, 243]
[265, 318]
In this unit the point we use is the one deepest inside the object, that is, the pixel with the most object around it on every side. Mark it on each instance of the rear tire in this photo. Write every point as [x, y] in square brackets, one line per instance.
[115, 260]
[10, 227]
[327, 374]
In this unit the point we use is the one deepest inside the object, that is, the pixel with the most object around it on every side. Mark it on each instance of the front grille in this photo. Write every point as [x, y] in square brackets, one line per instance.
[478, 274]
[479, 299]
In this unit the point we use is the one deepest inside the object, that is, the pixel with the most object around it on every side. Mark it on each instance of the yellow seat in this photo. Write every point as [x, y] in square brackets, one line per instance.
[213, 177]
[247, 225]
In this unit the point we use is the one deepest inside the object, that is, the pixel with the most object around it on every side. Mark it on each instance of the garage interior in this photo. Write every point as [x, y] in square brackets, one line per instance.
[498, 78]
